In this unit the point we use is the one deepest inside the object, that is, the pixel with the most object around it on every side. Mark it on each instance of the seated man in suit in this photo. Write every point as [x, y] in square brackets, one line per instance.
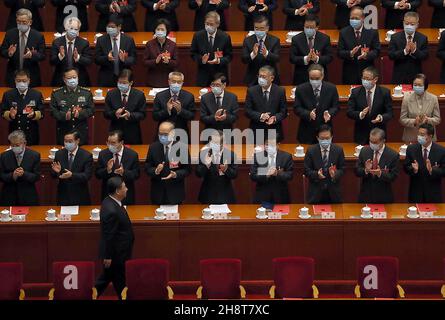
[114, 51]
[217, 167]
[370, 106]
[425, 164]
[72, 167]
[167, 164]
[19, 171]
[438, 18]
[219, 108]
[23, 107]
[212, 50]
[395, 11]
[323, 167]
[377, 166]
[272, 170]
[342, 10]
[33, 6]
[174, 105]
[124, 9]
[71, 8]
[358, 47]
[160, 9]
[118, 160]
[310, 47]
[71, 106]
[297, 10]
[24, 48]
[408, 49]
[253, 8]
[125, 107]
[316, 103]
[266, 104]
[71, 51]
[202, 7]
[259, 50]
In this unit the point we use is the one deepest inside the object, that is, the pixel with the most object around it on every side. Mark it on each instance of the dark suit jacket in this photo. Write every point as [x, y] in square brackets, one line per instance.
[201, 46]
[74, 191]
[305, 102]
[180, 120]
[209, 108]
[152, 16]
[300, 49]
[342, 12]
[86, 58]
[244, 5]
[216, 188]
[157, 75]
[66, 7]
[394, 18]
[170, 191]
[296, 22]
[407, 66]
[381, 104]
[423, 187]
[36, 41]
[255, 106]
[272, 44]
[103, 7]
[313, 161]
[106, 77]
[272, 189]
[441, 56]
[130, 163]
[352, 67]
[374, 189]
[32, 6]
[438, 18]
[205, 8]
[117, 237]
[20, 192]
[136, 104]
[30, 126]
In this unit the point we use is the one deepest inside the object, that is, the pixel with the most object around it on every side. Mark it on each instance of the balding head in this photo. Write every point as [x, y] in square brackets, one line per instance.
[166, 127]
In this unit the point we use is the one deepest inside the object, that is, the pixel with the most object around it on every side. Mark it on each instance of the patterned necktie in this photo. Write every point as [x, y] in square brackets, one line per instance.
[218, 102]
[124, 100]
[375, 161]
[116, 57]
[368, 101]
[311, 43]
[19, 159]
[116, 163]
[70, 54]
[325, 161]
[317, 96]
[70, 161]
[260, 47]
[425, 154]
[22, 49]
[357, 36]
[410, 38]
[266, 96]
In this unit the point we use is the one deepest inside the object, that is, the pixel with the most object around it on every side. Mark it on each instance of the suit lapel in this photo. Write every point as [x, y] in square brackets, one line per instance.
[377, 96]
[304, 43]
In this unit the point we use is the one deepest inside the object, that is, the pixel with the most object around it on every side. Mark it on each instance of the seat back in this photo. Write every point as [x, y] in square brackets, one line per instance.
[378, 276]
[11, 279]
[73, 280]
[220, 278]
[293, 277]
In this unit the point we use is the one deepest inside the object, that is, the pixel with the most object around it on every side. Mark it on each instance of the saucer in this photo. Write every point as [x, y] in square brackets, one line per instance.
[356, 154]
[95, 157]
[51, 157]
[402, 154]
[413, 217]
[160, 218]
[397, 95]
[53, 219]
[6, 220]
[207, 218]
[299, 156]
[261, 217]
[99, 98]
[93, 219]
[366, 216]
[304, 217]
[292, 96]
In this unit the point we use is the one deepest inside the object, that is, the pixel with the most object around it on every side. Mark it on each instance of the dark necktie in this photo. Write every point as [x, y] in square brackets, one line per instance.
[425, 154]
[317, 96]
[260, 47]
[124, 101]
[375, 161]
[116, 163]
[22, 96]
[167, 150]
[70, 54]
[266, 96]
[70, 161]
[19, 159]
[357, 36]
[22, 49]
[211, 42]
[368, 101]
[410, 38]
[325, 162]
[311, 43]
[116, 57]
[218, 102]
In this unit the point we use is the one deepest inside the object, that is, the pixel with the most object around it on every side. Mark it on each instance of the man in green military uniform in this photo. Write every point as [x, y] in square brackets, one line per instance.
[71, 106]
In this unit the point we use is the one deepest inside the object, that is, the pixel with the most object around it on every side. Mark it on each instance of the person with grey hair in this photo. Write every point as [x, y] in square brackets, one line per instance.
[33, 7]
[395, 10]
[408, 48]
[19, 171]
[24, 48]
[377, 166]
[71, 8]
[71, 51]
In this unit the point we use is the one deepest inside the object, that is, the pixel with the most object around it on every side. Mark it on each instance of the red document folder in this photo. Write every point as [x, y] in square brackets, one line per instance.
[19, 210]
[319, 209]
[283, 209]
[426, 207]
[377, 207]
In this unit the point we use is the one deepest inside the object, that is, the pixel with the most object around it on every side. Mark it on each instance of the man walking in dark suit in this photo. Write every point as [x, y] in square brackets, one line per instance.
[114, 52]
[118, 160]
[377, 166]
[310, 47]
[395, 10]
[19, 171]
[73, 168]
[167, 164]
[202, 7]
[425, 164]
[116, 239]
[259, 50]
[32, 5]
[272, 170]
[369, 106]
[342, 10]
[316, 103]
[71, 8]
[23, 107]
[358, 47]
[71, 51]
[160, 9]
[24, 48]
[323, 167]
[125, 107]
[408, 49]
[212, 50]
[123, 9]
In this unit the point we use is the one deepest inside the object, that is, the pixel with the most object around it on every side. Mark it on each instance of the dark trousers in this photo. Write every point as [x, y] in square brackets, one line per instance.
[115, 274]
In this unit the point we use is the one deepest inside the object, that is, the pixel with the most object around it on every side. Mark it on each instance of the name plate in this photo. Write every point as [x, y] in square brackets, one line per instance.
[18, 217]
[274, 215]
[379, 215]
[328, 215]
[172, 216]
[426, 214]
[64, 217]
[220, 216]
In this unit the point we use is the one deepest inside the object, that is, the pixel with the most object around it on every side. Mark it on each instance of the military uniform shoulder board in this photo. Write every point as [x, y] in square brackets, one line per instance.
[85, 88]
[57, 89]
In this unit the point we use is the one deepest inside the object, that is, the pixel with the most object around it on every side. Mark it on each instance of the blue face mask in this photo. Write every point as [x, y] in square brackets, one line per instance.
[21, 86]
[123, 87]
[210, 29]
[325, 143]
[113, 149]
[164, 139]
[72, 83]
[70, 146]
[421, 140]
[409, 29]
[309, 32]
[315, 83]
[23, 27]
[271, 150]
[112, 32]
[17, 150]
[217, 91]
[260, 34]
[175, 87]
[419, 90]
[72, 33]
[160, 34]
[374, 147]
[356, 24]
[367, 84]
[262, 82]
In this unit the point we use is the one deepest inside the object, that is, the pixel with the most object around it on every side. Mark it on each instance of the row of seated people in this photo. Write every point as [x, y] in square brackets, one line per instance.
[316, 103]
[295, 11]
[168, 163]
[211, 50]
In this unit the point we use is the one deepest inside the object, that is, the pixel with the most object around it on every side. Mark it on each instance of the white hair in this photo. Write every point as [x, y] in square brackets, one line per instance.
[176, 73]
[69, 21]
[24, 12]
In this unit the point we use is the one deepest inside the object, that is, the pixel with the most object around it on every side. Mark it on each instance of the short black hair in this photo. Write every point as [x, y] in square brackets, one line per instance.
[116, 19]
[260, 19]
[323, 128]
[66, 70]
[113, 184]
[22, 72]
[118, 133]
[220, 76]
[127, 74]
[422, 76]
[312, 17]
[429, 128]
[75, 133]
[165, 22]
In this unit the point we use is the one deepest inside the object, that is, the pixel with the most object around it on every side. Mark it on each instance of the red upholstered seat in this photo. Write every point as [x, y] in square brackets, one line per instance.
[73, 280]
[378, 278]
[220, 279]
[11, 280]
[147, 279]
[293, 278]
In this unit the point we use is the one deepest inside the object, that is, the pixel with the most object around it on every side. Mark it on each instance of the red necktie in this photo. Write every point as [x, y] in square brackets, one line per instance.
[116, 162]
[425, 154]
[375, 162]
